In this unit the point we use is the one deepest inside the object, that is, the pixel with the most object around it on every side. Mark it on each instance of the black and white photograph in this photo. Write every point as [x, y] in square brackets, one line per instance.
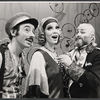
[49, 49]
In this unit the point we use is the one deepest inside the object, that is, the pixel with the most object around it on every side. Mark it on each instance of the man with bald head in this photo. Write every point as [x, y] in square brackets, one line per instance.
[82, 64]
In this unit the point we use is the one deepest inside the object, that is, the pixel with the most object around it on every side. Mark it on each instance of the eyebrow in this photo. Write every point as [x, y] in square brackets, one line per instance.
[26, 26]
[29, 27]
[80, 29]
[83, 29]
[52, 26]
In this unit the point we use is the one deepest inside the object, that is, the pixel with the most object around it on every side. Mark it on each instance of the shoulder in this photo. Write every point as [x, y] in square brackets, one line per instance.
[96, 51]
[40, 51]
[37, 55]
[38, 59]
[95, 54]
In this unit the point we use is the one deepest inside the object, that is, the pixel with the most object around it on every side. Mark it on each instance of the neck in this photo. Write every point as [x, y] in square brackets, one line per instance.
[50, 47]
[14, 48]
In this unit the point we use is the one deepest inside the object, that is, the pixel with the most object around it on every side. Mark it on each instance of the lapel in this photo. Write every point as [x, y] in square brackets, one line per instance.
[89, 59]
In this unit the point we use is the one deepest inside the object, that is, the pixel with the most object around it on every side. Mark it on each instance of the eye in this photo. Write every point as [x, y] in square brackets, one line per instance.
[57, 27]
[27, 29]
[83, 32]
[49, 28]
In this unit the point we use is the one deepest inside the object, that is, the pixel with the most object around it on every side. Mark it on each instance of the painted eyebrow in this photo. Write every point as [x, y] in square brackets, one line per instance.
[49, 25]
[52, 26]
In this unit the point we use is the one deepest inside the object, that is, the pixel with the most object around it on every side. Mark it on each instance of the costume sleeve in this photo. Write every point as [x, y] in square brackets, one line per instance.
[91, 78]
[75, 72]
[37, 81]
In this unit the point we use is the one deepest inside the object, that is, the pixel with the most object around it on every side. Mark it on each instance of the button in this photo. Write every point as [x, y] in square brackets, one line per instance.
[80, 84]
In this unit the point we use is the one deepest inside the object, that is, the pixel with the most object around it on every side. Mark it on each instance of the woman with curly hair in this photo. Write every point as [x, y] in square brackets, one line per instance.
[45, 78]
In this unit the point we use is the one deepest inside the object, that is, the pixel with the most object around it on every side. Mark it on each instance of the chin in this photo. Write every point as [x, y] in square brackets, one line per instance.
[55, 43]
[27, 46]
[79, 43]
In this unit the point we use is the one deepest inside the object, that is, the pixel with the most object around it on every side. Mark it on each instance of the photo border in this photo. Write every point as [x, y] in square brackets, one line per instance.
[81, 1]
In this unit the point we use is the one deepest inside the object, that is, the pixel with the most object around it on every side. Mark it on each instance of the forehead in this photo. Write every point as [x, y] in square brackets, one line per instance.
[52, 24]
[27, 25]
[85, 27]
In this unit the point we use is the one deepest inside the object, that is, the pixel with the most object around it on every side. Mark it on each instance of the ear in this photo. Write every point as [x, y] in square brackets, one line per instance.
[92, 38]
[13, 32]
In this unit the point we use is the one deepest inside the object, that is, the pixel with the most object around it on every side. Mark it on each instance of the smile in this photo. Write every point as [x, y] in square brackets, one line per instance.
[54, 36]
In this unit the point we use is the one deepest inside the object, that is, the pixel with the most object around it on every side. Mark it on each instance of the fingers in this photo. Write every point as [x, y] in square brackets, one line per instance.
[65, 59]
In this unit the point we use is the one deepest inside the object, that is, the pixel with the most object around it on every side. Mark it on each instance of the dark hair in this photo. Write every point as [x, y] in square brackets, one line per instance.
[41, 39]
[14, 28]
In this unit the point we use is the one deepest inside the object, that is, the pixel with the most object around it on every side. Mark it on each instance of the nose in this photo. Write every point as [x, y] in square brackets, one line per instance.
[56, 31]
[78, 34]
[32, 34]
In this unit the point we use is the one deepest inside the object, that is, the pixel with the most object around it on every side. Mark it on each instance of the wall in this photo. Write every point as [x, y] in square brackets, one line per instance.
[40, 10]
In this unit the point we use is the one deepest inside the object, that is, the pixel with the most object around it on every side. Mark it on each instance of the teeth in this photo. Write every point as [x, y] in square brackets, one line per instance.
[54, 36]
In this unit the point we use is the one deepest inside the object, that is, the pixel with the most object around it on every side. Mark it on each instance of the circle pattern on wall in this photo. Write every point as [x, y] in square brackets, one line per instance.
[68, 30]
[67, 44]
[94, 9]
[57, 7]
[80, 18]
[88, 14]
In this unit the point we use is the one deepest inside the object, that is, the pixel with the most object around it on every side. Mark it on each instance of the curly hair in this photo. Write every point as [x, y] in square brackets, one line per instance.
[41, 39]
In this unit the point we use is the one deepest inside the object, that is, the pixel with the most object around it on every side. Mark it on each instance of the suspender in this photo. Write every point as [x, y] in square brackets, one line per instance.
[2, 69]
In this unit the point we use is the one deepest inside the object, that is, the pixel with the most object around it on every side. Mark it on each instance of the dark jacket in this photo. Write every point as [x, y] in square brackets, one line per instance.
[88, 85]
